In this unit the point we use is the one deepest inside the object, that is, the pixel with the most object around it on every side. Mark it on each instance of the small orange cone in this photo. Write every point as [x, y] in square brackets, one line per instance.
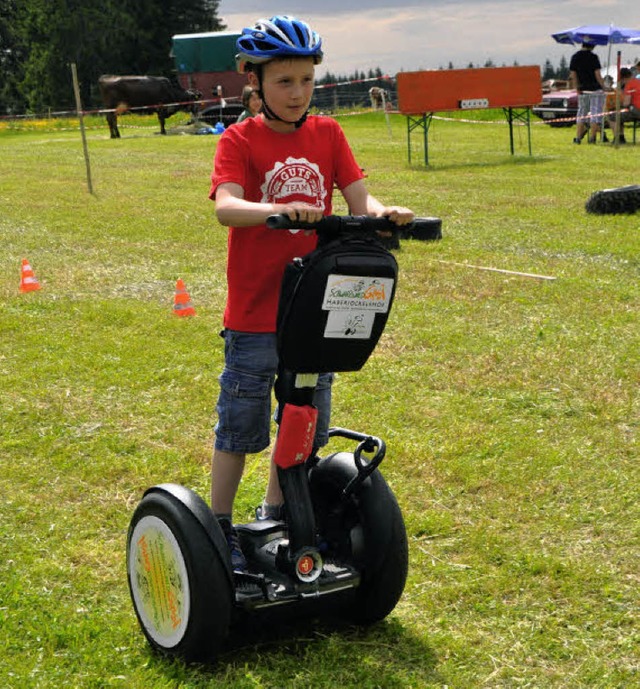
[28, 282]
[182, 301]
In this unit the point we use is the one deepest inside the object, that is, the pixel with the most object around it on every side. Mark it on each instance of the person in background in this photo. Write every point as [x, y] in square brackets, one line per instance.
[251, 101]
[629, 102]
[586, 79]
[281, 161]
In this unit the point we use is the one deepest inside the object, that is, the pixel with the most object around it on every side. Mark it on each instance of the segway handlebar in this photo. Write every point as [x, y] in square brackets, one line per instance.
[337, 225]
[367, 443]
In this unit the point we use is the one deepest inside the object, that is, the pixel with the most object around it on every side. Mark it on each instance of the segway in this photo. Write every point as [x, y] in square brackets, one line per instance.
[342, 540]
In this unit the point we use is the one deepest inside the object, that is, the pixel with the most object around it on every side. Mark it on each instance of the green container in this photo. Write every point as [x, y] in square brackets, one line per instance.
[205, 52]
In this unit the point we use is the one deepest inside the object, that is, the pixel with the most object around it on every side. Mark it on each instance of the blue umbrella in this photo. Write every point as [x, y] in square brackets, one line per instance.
[598, 34]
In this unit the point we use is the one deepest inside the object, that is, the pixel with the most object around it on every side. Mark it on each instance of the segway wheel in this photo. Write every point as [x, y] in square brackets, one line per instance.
[367, 530]
[613, 201]
[179, 574]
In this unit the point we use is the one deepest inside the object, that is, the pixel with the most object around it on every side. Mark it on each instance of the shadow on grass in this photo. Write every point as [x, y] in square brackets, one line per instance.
[506, 161]
[272, 652]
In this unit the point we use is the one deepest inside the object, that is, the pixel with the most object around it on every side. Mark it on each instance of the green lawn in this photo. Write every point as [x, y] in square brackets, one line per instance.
[509, 404]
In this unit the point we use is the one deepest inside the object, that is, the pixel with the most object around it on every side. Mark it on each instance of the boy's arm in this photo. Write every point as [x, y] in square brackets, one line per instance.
[232, 209]
[361, 202]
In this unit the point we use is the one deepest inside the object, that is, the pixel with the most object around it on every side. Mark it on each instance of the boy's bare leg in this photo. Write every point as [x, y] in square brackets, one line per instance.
[226, 472]
[273, 496]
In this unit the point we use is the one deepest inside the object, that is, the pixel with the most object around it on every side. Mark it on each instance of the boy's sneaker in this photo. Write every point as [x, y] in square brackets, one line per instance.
[238, 560]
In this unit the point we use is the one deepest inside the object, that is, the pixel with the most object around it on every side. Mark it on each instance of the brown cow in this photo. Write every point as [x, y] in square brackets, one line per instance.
[144, 94]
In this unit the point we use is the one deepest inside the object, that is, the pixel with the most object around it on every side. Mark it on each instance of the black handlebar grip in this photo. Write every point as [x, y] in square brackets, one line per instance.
[279, 222]
[423, 228]
[420, 228]
[284, 222]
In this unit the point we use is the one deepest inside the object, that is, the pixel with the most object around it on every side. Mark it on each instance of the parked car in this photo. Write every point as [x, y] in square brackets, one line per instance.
[554, 85]
[216, 113]
[558, 108]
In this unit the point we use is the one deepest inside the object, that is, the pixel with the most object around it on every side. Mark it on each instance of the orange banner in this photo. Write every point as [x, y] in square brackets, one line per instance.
[459, 89]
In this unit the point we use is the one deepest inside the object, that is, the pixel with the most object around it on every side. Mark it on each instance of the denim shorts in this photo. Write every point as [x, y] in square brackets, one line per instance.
[246, 383]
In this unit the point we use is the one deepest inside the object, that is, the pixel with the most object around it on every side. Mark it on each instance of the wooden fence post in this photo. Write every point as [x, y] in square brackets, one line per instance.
[76, 90]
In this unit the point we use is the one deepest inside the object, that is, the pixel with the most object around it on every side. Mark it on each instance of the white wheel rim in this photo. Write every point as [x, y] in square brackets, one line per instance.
[159, 581]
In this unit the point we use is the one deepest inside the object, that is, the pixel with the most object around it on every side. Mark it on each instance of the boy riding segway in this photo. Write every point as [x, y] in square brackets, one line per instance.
[282, 161]
[309, 294]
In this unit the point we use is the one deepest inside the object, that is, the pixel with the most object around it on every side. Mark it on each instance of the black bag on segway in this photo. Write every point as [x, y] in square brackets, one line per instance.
[334, 304]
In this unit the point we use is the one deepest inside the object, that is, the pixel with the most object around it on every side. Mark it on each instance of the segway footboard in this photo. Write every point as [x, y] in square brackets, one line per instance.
[265, 544]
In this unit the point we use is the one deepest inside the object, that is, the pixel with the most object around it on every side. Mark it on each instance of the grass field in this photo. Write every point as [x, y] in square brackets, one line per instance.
[509, 404]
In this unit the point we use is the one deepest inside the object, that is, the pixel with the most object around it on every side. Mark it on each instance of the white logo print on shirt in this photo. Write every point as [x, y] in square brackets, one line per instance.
[294, 180]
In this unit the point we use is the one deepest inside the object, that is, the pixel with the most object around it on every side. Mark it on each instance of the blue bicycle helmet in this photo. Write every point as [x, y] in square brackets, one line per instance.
[280, 36]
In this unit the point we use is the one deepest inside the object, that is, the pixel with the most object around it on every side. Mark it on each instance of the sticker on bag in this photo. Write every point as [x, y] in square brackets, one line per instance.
[352, 302]
[357, 292]
[350, 325]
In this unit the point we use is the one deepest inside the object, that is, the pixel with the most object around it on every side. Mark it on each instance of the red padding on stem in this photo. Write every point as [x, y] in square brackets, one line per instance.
[295, 435]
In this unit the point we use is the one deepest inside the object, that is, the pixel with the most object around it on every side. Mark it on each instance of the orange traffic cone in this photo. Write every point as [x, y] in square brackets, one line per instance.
[182, 301]
[28, 282]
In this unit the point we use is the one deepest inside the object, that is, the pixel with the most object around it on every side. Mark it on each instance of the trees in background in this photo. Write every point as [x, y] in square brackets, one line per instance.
[40, 38]
[10, 57]
[559, 72]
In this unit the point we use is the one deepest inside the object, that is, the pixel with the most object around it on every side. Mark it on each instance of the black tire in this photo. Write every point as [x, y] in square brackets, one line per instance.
[179, 574]
[367, 530]
[611, 201]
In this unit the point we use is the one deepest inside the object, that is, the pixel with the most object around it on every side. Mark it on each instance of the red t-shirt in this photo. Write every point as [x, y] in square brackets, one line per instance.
[272, 167]
[632, 88]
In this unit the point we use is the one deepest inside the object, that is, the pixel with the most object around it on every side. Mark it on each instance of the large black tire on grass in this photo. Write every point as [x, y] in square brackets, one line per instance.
[611, 201]
[367, 530]
[179, 574]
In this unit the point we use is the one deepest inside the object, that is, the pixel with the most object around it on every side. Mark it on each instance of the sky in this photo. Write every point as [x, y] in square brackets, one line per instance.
[410, 35]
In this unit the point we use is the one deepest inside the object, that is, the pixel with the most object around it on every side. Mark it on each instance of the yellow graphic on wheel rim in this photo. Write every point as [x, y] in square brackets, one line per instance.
[159, 581]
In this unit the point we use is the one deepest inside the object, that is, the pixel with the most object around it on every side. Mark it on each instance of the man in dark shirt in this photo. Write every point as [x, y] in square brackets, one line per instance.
[584, 72]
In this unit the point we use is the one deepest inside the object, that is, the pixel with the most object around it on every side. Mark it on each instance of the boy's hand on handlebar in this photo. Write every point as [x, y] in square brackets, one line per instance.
[302, 212]
[397, 214]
